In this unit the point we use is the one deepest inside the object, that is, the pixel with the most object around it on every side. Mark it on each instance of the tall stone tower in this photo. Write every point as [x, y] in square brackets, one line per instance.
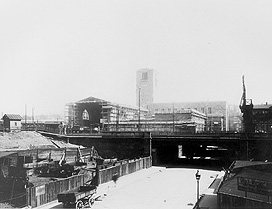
[144, 87]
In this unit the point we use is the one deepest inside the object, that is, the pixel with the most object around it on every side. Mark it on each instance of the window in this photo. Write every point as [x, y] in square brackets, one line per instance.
[6, 161]
[15, 123]
[85, 115]
[209, 110]
[144, 76]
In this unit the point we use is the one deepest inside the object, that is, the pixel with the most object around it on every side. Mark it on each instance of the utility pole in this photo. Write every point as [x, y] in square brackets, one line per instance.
[117, 117]
[25, 116]
[139, 116]
[33, 115]
[173, 119]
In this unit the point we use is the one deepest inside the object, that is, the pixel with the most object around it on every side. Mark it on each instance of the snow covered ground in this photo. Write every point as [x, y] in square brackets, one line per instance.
[156, 187]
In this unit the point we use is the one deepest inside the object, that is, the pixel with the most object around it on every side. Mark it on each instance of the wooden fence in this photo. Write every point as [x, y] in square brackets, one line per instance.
[124, 168]
[43, 194]
[39, 195]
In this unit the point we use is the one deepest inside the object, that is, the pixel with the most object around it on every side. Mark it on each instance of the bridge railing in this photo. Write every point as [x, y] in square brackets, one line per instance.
[173, 134]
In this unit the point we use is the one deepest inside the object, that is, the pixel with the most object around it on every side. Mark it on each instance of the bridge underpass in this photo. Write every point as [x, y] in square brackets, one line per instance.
[165, 149]
[185, 149]
[221, 148]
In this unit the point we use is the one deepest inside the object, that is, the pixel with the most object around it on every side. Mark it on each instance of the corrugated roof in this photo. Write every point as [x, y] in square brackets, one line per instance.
[13, 116]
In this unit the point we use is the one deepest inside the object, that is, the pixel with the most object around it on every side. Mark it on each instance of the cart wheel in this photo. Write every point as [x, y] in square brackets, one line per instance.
[79, 204]
[91, 201]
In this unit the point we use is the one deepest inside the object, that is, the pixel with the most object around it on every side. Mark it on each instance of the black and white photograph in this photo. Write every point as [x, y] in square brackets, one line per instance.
[136, 104]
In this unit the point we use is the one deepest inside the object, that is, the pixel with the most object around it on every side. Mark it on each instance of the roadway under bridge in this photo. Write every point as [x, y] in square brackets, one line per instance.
[173, 149]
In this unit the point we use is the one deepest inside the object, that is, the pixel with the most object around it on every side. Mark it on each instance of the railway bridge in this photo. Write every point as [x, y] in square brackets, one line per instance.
[173, 148]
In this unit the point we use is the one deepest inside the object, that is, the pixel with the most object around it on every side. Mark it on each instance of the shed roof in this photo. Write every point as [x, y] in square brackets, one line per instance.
[13, 116]
[230, 186]
[240, 164]
[5, 154]
[262, 106]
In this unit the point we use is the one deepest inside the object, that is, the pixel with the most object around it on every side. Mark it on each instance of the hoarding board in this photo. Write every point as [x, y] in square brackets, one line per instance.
[254, 185]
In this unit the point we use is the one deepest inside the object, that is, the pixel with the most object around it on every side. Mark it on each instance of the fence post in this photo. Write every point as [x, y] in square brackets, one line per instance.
[28, 198]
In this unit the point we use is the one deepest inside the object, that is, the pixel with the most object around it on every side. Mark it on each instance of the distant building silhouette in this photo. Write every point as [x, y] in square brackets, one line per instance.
[144, 87]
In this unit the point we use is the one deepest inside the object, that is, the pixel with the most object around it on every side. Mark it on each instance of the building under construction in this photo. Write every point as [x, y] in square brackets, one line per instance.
[94, 114]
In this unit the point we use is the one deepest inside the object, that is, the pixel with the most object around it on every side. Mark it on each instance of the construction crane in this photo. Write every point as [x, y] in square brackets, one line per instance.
[246, 107]
[243, 98]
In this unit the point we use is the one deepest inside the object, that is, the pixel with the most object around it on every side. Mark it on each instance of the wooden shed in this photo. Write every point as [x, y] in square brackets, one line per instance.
[12, 122]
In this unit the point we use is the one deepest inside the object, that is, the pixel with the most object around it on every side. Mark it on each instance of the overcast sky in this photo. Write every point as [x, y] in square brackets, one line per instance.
[55, 52]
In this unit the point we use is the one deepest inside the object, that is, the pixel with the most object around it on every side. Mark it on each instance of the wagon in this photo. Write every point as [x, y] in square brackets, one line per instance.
[83, 196]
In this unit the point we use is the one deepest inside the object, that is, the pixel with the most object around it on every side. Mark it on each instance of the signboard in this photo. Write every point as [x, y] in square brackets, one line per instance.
[40, 190]
[254, 185]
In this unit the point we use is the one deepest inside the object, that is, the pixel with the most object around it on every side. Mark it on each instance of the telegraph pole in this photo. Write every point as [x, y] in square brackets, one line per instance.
[173, 119]
[25, 116]
[139, 116]
[117, 117]
[33, 115]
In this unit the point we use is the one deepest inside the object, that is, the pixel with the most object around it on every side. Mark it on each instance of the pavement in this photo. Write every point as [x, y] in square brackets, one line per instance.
[155, 187]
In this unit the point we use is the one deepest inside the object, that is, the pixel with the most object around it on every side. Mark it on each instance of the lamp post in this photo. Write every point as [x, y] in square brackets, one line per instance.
[197, 175]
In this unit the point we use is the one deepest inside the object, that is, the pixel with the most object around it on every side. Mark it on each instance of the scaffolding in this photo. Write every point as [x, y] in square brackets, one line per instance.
[111, 113]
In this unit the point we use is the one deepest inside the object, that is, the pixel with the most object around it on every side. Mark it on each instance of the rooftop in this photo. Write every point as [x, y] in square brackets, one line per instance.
[238, 165]
[262, 106]
[13, 116]
[230, 186]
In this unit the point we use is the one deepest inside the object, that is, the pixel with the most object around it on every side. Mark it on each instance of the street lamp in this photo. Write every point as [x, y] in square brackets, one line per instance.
[197, 175]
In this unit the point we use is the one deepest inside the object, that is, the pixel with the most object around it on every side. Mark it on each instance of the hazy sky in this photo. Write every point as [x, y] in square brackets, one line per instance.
[55, 52]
